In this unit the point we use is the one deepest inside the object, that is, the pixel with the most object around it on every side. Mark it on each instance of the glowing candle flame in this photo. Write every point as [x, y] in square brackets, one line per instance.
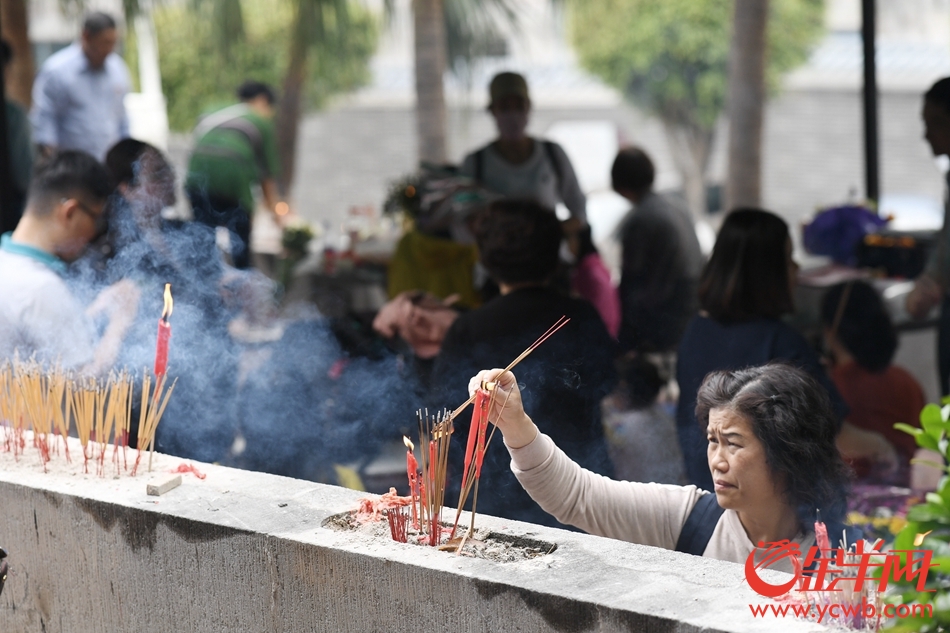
[169, 304]
[409, 445]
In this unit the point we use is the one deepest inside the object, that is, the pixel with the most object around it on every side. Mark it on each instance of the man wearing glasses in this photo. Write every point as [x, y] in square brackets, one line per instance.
[39, 314]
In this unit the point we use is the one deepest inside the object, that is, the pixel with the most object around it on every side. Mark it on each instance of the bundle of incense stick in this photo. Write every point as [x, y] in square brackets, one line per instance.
[10, 410]
[35, 389]
[153, 407]
[48, 402]
[484, 397]
[398, 524]
[31, 399]
[434, 438]
[435, 434]
[475, 454]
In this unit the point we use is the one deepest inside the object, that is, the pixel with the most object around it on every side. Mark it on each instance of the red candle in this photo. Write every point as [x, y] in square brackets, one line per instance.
[412, 469]
[821, 537]
[164, 335]
[412, 466]
[161, 347]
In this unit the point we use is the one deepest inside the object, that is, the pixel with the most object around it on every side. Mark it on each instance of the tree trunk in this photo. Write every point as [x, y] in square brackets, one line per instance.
[288, 115]
[746, 103]
[430, 58]
[690, 147]
[15, 20]
[229, 23]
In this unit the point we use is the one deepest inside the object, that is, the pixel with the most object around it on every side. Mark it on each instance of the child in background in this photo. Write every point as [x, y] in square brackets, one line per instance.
[641, 434]
[590, 279]
[862, 341]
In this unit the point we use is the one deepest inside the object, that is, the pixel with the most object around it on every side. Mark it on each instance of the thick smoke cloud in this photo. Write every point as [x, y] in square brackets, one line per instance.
[302, 403]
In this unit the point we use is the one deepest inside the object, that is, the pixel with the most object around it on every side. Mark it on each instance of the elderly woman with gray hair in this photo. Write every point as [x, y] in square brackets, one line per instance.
[770, 449]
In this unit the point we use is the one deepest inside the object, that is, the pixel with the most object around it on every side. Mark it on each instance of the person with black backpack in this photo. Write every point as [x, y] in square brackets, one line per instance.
[516, 165]
[771, 451]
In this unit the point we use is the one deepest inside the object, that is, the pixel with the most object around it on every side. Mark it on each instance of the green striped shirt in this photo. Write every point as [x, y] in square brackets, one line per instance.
[233, 155]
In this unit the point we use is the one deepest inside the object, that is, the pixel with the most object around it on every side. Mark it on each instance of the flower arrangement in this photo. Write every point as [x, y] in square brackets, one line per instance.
[295, 239]
[405, 196]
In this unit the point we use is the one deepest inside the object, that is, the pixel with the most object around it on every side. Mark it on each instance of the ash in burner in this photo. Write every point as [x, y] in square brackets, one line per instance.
[494, 546]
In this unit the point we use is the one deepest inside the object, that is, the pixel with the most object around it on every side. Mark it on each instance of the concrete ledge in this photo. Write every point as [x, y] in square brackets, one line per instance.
[244, 551]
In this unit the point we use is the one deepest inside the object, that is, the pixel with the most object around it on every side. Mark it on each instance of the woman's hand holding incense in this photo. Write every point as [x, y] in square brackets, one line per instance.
[507, 411]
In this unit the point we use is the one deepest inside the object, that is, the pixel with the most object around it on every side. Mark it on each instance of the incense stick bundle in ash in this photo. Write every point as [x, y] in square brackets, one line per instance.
[153, 407]
[476, 446]
[435, 435]
[398, 524]
[84, 396]
[51, 403]
[35, 386]
[10, 411]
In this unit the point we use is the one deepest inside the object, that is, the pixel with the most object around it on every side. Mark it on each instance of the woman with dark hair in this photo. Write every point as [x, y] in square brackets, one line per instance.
[862, 342]
[564, 380]
[770, 436]
[744, 290]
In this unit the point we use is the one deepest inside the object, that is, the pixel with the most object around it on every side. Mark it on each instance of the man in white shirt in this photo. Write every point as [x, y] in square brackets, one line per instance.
[39, 315]
[79, 93]
[516, 165]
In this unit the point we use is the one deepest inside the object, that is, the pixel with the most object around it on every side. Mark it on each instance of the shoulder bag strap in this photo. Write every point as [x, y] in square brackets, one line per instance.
[699, 526]
[555, 165]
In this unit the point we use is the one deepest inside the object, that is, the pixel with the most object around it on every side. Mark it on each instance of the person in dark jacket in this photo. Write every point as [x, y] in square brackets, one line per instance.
[566, 378]
[745, 289]
[661, 259]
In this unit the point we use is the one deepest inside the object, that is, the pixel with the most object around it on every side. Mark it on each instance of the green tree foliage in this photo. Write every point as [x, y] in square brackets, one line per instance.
[671, 57]
[199, 74]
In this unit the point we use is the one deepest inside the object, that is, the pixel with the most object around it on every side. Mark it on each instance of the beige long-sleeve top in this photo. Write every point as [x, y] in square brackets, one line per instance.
[644, 513]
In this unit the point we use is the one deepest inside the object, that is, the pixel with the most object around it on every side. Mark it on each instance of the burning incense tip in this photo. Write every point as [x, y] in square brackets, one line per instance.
[408, 443]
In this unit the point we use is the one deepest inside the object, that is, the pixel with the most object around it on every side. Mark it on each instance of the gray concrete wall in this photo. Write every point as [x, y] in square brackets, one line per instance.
[246, 551]
[814, 150]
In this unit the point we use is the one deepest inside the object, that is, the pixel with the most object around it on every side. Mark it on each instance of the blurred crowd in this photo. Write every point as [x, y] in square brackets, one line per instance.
[81, 274]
